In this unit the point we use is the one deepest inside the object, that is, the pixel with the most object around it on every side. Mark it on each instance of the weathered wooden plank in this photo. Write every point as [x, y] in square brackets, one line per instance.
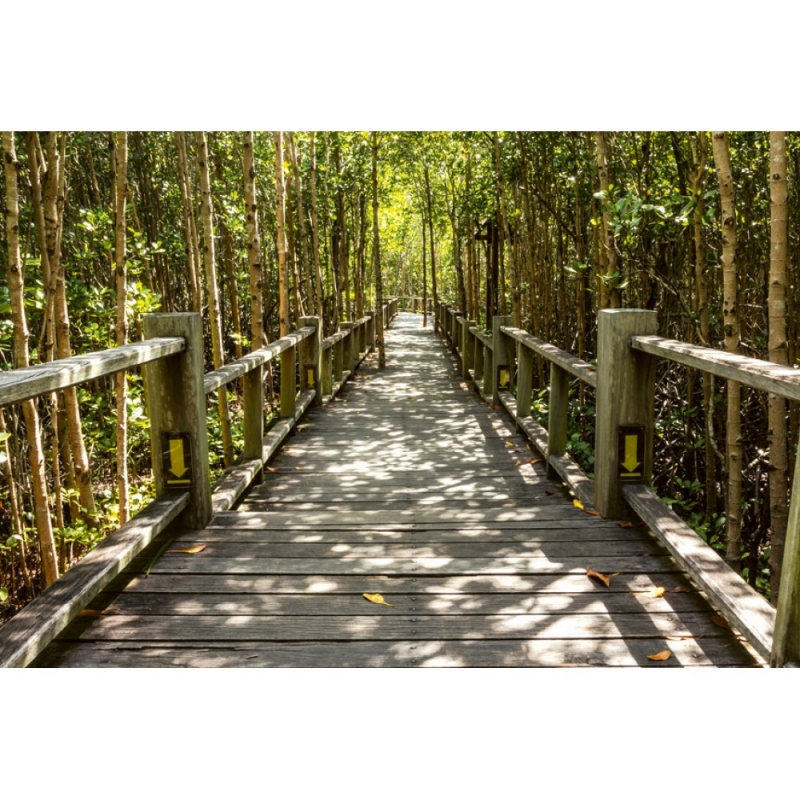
[160, 604]
[576, 583]
[554, 530]
[739, 602]
[392, 626]
[763, 375]
[340, 551]
[33, 628]
[463, 517]
[506, 565]
[710, 652]
[230, 372]
[29, 382]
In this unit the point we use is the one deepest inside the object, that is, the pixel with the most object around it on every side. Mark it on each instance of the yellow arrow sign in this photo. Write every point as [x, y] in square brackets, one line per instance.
[631, 461]
[177, 465]
[176, 455]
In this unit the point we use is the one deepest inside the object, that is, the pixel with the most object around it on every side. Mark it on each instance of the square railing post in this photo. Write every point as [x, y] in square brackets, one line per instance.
[625, 398]
[311, 358]
[503, 357]
[178, 423]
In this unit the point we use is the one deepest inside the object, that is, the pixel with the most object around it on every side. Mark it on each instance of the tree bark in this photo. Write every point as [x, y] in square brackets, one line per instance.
[16, 286]
[257, 337]
[609, 294]
[434, 289]
[212, 290]
[315, 228]
[190, 228]
[730, 320]
[376, 254]
[283, 278]
[778, 353]
[120, 268]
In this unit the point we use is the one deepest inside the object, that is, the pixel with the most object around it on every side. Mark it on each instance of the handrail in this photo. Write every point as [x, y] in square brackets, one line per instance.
[26, 383]
[236, 369]
[575, 366]
[482, 336]
[753, 372]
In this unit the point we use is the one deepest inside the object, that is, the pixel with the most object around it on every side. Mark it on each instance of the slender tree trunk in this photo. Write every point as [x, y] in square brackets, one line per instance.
[424, 276]
[376, 254]
[609, 294]
[190, 229]
[121, 180]
[315, 227]
[283, 278]
[212, 291]
[778, 353]
[730, 318]
[257, 337]
[16, 285]
[433, 242]
[53, 201]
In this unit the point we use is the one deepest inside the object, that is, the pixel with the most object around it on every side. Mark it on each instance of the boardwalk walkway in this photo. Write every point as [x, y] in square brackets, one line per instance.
[409, 486]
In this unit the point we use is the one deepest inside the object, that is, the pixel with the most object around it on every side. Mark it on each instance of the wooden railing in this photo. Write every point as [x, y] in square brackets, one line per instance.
[624, 433]
[177, 390]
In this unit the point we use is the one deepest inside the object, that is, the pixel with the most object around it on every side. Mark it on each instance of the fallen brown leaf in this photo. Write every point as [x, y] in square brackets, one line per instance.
[599, 576]
[720, 622]
[517, 463]
[198, 548]
[625, 524]
[376, 598]
[592, 512]
[550, 491]
[270, 469]
[662, 656]
[535, 460]
[681, 589]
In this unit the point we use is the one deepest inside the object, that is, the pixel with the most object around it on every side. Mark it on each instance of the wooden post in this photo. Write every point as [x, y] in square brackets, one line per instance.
[327, 370]
[557, 417]
[786, 641]
[488, 374]
[350, 347]
[625, 392]
[311, 358]
[467, 349]
[524, 381]
[371, 331]
[288, 383]
[338, 360]
[503, 356]
[478, 359]
[362, 337]
[253, 400]
[177, 405]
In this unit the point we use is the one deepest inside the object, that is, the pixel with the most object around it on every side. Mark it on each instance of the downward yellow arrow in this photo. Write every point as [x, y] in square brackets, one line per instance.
[631, 462]
[176, 463]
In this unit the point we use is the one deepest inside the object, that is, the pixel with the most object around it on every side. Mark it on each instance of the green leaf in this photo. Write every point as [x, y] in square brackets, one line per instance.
[3, 594]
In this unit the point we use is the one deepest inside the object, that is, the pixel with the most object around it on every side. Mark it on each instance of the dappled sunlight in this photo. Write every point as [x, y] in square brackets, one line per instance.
[409, 487]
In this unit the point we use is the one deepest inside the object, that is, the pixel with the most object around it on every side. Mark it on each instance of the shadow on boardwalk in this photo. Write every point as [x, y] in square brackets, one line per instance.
[406, 485]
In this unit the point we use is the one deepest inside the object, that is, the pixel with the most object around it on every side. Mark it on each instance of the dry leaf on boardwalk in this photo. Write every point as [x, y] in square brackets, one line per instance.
[550, 491]
[625, 524]
[682, 589]
[198, 548]
[509, 444]
[592, 512]
[376, 598]
[270, 469]
[517, 463]
[657, 592]
[662, 656]
[577, 504]
[720, 622]
[535, 460]
[599, 576]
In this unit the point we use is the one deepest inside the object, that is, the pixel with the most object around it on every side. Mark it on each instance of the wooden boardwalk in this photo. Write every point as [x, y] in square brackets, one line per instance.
[409, 486]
